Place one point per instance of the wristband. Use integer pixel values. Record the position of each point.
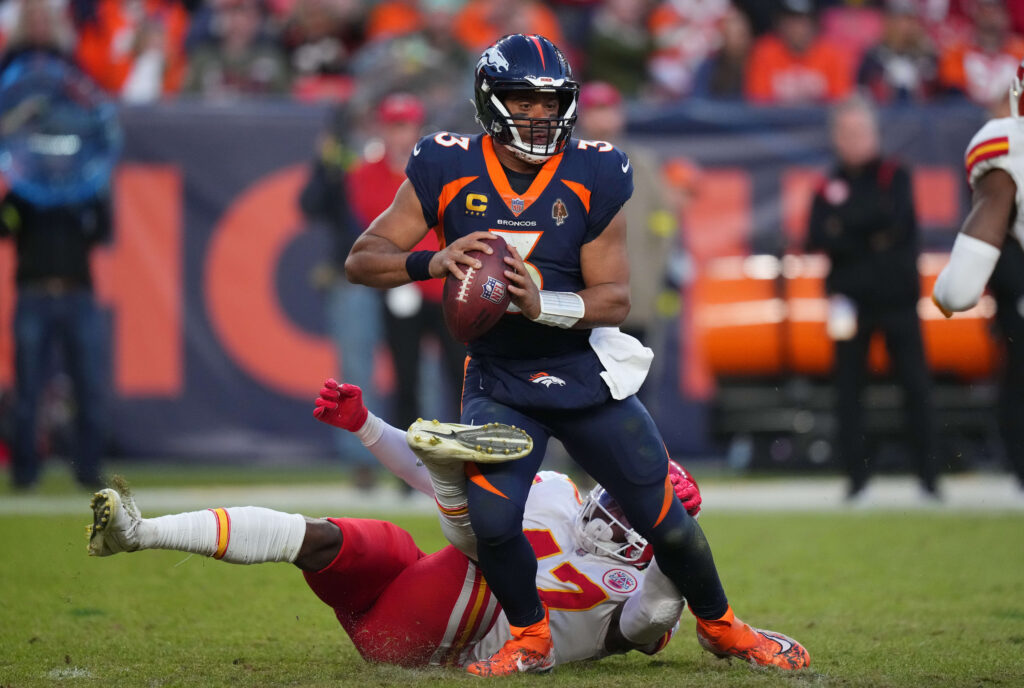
(417, 264)
(560, 308)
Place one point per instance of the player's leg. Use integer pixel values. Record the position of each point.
(620, 447)
(906, 350)
(497, 497)
(241, 535)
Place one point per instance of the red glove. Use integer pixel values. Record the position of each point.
(685, 487)
(341, 406)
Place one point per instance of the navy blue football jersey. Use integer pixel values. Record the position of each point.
(463, 188)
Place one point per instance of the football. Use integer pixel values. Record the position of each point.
(473, 305)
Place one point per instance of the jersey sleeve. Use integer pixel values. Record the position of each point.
(994, 147)
(424, 170)
(612, 188)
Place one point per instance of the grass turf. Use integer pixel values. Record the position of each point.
(923, 599)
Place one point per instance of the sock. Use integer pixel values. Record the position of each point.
(240, 535)
(388, 445)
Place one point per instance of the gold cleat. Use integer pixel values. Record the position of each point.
(448, 442)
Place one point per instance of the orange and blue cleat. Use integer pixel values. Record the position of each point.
(730, 637)
(529, 650)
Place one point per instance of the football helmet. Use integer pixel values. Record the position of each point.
(519, 62)
(1017, 91)
(601, 528)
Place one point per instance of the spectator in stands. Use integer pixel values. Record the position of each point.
(792, 65)
(684, 34)
(863, 218)
(320, 37)
(241, 59)
(722, 74)
(393, 18)
(903, 66)
(983, 67)
(619, 45)
(135, 48)
(352, 313)
(428, 63)
(482, 22)
(602, 117)
(412, 313)
(54, 232)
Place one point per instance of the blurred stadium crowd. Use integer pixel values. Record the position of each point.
(763, 51)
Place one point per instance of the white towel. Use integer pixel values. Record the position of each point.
(625, 360)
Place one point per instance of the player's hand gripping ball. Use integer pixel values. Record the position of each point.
(473, 305)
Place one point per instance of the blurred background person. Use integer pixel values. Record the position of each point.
(863, 219)
(320, 38)
(427, 62)
(58, 145)
(352, 313)
(684, 33)
(241, 59)
(723, 73)
(903, 65)
(793, 64)
(602, 117)
(619, 45)
(481, 22)
(134, 48)
(412, 314)
(982, 66)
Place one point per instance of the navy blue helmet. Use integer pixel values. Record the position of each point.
(519, 62)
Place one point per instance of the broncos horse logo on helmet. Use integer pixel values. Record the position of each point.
(520, 62)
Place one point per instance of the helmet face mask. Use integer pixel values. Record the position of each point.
(602, 529)
(1016, 91)
(525, 63)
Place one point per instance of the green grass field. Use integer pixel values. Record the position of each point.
(879, 599)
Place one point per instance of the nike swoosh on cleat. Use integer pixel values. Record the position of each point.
(785, 644)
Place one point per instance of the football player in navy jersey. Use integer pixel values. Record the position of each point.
(552, 364)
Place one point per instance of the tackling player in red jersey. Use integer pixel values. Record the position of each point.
(604, 594)
(555, 364)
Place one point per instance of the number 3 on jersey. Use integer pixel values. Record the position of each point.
(524, 243)
(587, 594)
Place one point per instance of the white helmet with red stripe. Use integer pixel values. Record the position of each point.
(1016, 91)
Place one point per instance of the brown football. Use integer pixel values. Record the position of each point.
(473, 305)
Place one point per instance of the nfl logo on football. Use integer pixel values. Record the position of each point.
(493, 290)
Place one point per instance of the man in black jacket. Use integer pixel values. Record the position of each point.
(863, 218)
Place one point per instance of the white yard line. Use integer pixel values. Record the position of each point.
(976, 493)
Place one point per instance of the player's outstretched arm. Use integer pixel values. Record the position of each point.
(380, 257)
(342, 406)
(977, 246)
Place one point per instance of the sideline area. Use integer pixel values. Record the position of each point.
(988, 492)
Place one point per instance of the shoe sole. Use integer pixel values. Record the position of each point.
(104, 503)
(489, 443)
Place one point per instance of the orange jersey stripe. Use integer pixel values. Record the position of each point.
(500, 181)
(983, 156)
(223, 532)
(477, 478)
(581, 191)
(448, 193)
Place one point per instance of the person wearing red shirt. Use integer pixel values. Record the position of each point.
(983, 67)
(413, 311)
(793, 65)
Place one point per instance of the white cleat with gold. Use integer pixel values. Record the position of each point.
(438, 442)
(115, 523)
